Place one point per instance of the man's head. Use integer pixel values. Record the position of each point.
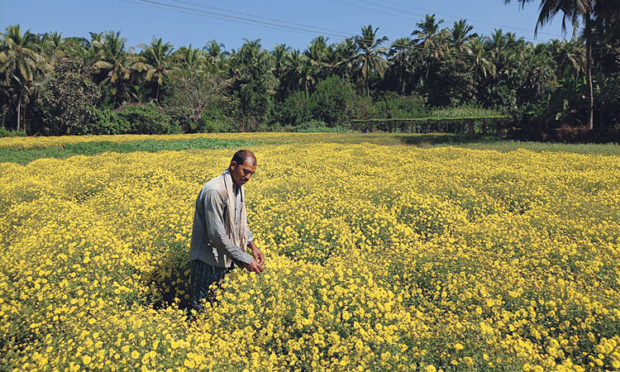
(242, 166)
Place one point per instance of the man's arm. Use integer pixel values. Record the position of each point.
(214, 218)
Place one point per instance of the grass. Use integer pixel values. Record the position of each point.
(231, 140)
(578, 148)
(24, 156)
(492, 143)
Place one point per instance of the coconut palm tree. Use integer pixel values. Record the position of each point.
(252, 70)
(295, 65)
(154, 60)
(461, 35)
(400, 58)
(430, 41)
(280, 53)
(344, 54)
(567, 55)
(112, 64)
(52, 45)
(22, 68)
(481, 65)
(318, 54)
(216, 56)
(575, 12)
(188, 58)
(370, 54)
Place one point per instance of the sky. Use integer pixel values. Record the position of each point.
(291, 22)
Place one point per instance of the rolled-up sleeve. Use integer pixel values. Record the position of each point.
(214, 207)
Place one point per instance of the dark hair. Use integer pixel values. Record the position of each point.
(242, 155)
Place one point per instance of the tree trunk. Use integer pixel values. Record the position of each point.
(24, 120)
(589, 70)
(367, 86)
(19, 109)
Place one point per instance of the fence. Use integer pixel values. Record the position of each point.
(495, 125)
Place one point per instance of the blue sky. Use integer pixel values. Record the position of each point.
(294, 23)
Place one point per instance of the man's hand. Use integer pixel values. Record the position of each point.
(254, 267)
(257, 254)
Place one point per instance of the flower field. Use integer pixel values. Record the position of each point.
(377, 258)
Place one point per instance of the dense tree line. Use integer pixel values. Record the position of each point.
(50, 84)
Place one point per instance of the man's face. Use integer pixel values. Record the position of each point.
(241, 173)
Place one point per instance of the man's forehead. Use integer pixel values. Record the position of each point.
(249, 165)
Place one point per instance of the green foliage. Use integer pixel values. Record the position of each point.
(68, 104)
(295, 109)
(331, 101)
(147, 119)
(10, 133)
(464, 111)
(108, 122)
(52, 85)
(252, 69)
(195, 98)
(24, 156)
(363, 108)
(317, 126)
(608, 101)
(391, 105)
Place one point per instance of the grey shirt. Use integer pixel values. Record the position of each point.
(210, 243)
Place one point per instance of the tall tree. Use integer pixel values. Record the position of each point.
(370, 54)
(400, 58)
(318, 54)
(22, 68)
(216, 55)
(252, 70)
(154, 60)
(430, 41)
(567, 56)
(481, 64)
(344, 54)
(573, 11)
(113, 65)
(460, 36)
(188, 58)
(280, 54)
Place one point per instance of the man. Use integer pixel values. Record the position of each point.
(220, 232)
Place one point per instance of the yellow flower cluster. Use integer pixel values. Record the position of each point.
(377, 258)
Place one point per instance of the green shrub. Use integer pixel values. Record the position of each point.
(363, 108)
(147, 119)
(331, 100)
(108, 122)
(11, 133)
(67, 104)
(294, 110)
(392, 105)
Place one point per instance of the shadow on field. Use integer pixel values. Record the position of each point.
(442, 139)
(168, 282)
